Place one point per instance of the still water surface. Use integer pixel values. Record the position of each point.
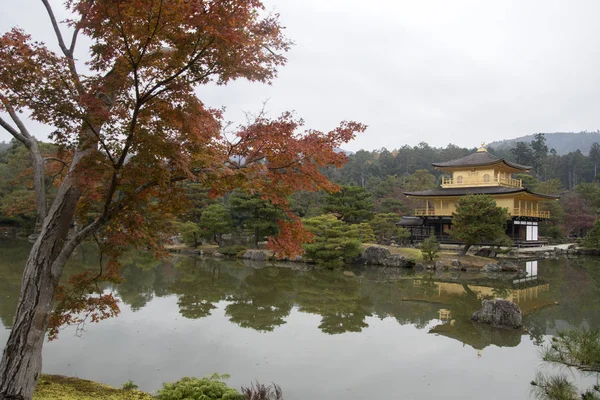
(320, 335)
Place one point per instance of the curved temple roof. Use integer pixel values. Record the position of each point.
(480, 158)
(475, 190)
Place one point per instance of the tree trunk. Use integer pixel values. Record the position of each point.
(256, 232)
(465, 249)
(21, 362)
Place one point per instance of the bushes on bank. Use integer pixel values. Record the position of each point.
(592, 239)
(335, 242)
(214, 388)
(430, 248)
(233, 250)
(207, 388)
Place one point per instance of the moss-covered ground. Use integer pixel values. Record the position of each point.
(55, 387)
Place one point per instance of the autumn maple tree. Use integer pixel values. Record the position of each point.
(128, 130)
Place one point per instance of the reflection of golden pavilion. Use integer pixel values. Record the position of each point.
(527, 298)
(444, 314)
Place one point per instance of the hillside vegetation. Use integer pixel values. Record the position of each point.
(562, 142)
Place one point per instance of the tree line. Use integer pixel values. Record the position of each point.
(373, 183)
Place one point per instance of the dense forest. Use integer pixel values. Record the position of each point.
(372, 183)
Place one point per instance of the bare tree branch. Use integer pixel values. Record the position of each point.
(61, 42)
(72, 243)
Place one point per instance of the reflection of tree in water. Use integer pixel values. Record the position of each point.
(143, 277)
(263, 300)
(501, 292)
(389, 299)
(14, 255)
(575, 284)
(200, 285)
(336, 298)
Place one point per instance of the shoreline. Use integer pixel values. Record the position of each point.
(407, 257)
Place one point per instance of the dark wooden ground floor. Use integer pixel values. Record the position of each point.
(523, 231)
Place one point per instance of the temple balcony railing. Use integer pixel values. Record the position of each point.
(521, 212)
(480, 181)
(432, 212)
(517, 212)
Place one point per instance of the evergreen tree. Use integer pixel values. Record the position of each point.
(523, 153)
(430, 248)
(214, 222)
(335, 242)
(386, 230)
(540, 153)
(254, 214)
(353, 204)
(592, 239)
(478, 219)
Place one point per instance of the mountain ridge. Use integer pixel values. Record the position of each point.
(562, 142)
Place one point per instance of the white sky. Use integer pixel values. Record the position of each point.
(441, 71)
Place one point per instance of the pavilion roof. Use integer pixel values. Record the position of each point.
(475, 190)
(479, 158)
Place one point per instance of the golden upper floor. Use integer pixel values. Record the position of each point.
(480, 169)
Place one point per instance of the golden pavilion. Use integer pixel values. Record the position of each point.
(478, 173)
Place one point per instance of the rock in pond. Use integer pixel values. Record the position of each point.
(374, 255)
(491, 267)
(397, 260)
(499, 313)
(349, 274)
(508, 266)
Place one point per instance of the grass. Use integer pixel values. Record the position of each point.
(55, 387)
(445, 256)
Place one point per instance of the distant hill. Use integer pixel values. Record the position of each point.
(562, 142)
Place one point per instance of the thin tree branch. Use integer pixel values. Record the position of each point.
(12, 131)
(71, 244)
(61, 42)
(57, 160)
(22, 134)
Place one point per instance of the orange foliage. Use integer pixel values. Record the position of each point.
(134, 128)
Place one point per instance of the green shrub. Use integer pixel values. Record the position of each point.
(259, 391)
(592, 239)
(207, 388)
(129, 385)
(190, 233)
(335, 242)
(430, 248)
(365, 232)
(233, 250)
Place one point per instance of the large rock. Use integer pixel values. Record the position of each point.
(486, 252)
(397, 260)
(491, 268)
(508, 266)
(374, 255)
(254, 255)
(499, 313)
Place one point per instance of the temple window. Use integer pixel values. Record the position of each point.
(459, 179)
(486, 178)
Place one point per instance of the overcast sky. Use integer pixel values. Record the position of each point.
(442, 71)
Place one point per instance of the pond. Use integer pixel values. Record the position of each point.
(385, 333)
